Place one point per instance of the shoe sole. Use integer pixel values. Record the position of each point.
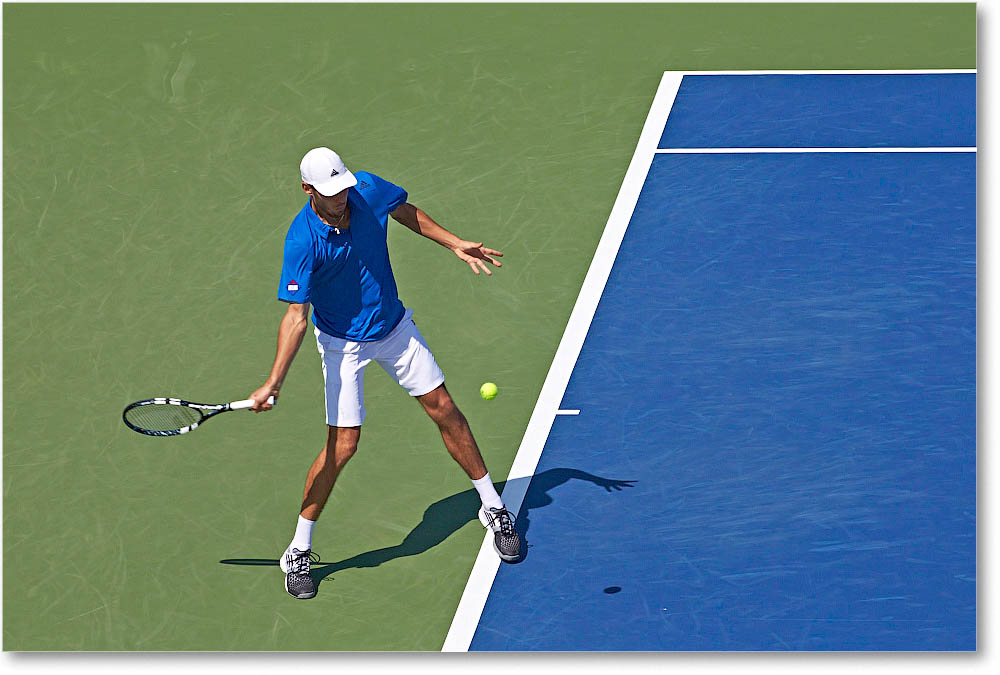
(505, 558)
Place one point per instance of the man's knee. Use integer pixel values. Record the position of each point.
(342, 442)
(441, 407)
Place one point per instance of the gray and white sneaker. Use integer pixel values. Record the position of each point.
(506, 540)
(295, 564)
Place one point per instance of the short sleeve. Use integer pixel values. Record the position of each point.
(390, 196)
(296, 272)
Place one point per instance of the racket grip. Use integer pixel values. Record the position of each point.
(248, 403)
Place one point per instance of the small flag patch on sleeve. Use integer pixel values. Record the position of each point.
(293, 286)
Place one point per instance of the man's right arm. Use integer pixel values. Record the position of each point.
(290, 332)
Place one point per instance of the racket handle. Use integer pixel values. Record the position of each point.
(248, 403)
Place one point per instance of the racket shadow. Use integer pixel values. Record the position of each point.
(445, 517)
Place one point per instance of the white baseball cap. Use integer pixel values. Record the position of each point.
(324, 170)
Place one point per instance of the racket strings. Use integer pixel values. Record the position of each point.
(162, 417)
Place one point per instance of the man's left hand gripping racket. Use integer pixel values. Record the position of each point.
(173, 416)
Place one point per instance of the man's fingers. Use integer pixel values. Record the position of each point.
(474, 257)
(261, 406)
(481, 254)
(486, 252)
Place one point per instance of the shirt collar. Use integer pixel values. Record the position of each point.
(316, 223)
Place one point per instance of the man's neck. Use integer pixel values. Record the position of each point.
(338, 223)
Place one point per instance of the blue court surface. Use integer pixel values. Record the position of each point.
(776, 440)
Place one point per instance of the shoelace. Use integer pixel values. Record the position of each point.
(299, 563)
(506, 526)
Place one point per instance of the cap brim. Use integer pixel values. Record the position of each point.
(336, 184)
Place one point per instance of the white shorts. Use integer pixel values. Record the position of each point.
(403, 354)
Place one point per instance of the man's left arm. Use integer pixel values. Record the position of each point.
(470, 252)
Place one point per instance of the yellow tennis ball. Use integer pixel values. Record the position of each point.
(488, 391)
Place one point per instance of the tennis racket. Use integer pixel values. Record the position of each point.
(173, 416)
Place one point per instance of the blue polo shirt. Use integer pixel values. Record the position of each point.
(346, 276)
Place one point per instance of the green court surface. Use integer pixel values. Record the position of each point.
(150, 173)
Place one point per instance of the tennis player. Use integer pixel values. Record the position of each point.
(336, 259)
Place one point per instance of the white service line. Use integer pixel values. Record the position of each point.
(567, 412)
(737, 151)
(470, 608)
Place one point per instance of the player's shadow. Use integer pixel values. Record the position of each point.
(443, 518)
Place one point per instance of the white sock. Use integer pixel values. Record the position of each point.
(488, 493)
(303, 535)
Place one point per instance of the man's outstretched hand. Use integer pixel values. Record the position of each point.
(475, 254)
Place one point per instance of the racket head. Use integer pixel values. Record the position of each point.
(164, 416)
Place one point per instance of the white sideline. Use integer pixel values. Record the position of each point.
(470, 608)
(477, 589)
